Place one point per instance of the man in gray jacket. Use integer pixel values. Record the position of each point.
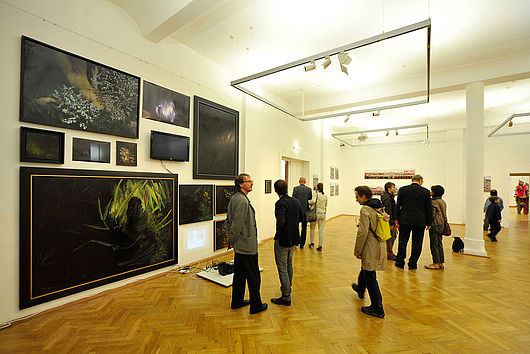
(243, 236)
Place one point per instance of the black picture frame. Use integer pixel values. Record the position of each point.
(126, 153)
(195, 203)
(268, 186)
(81, 229)
(90, 150)
(164, 105)
(62, 89)
(215, 140)
(221, 236)
(42, 146)
(223, 194)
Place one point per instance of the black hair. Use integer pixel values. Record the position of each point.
(388, 185)
(364, 190)
(320, 187)
(437, 191)
(239, 180)
(493, 192)
(280, 187)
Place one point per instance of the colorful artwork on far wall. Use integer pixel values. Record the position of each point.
(195, 203)
(166, 106)
(389, 174)
(221, 236)
(65, 90)
(84, 228)
(223, 194)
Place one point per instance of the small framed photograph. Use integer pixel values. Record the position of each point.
(44, 146)
(91, 150)
(126, 154)
(268, 186)
(221, 236)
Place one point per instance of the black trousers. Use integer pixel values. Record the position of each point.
(246, 270)
(303, 232)
(417, 244)
(495, 228)
(367, 280)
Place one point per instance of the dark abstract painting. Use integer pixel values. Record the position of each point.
(80, 229)
(215, 140)
(221, 237)
(223, 194)
(165, 105)
(126, 154)
(195, 203)
(90, 150)
(44, 146)
(65, 90)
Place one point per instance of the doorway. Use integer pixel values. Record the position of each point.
(292, 170)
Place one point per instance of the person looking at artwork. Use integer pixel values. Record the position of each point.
(494, 218)
(439, 218)
(370, 250)
(243, 237)
(493, 193)
(414, 214)
(303, 194)
(388, 199)
(320, 201)
(288, 215)
(521, 197)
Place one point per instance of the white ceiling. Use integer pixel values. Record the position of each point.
(487, 40)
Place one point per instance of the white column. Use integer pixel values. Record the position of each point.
(474, 241)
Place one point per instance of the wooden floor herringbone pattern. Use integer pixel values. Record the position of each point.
(475, 305)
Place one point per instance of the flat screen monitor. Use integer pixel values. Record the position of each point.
(171, 147)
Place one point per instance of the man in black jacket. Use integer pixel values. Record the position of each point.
(303, 194)
(414, 214)
(288, 216)
(390, 208)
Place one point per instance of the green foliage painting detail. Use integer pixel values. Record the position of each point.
(195, 203)
(142, 210)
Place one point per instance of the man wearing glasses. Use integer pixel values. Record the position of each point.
(243, 236)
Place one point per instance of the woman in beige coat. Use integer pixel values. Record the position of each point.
(370, 250)
(320, 201)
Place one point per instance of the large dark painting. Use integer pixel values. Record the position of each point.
(65, 90)
(80, 229)
(195, 203)
(44, 146)
(221, 236)
(165, 105)
(215, 140)
(223, 194)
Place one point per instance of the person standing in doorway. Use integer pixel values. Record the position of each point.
(320, 201)
(288, 215)
(388, 199)
(303, 194)
(414, 214)
(243, 236)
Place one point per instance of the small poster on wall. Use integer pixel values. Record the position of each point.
(332, 190)
(389, 174)
(315, 181)
(336, 172)
(377, 190)
(331, 172)
(336, 189)
(487, 184)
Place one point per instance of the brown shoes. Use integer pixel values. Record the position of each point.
(435, 266)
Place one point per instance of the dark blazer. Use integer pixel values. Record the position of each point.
(288, 217)
(303, 194)
(493, 213)
(389, 202)
(414, 206)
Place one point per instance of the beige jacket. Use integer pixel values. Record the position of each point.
(321, 204)
(367, 245)
(439, 209)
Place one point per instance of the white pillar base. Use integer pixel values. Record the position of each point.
(475, 247)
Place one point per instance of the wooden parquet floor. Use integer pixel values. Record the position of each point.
(476, 305)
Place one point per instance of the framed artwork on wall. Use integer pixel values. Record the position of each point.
(268, 186)
(44, 146)
(65, 90)
(215, 140)
(91, 150)
(331, 190)
(166, 106)
(336, 172)
(331, 172)
(195, 203)
(223, 194)
(126, 154)
(336, 189)
(80, 229)
(221, 236)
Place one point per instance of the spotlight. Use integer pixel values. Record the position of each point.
(326, 62)
(396, 132)
(310, 66)
(347, 118)
(387, 132)
(375, 114)
(510, 124)
(344, 69)
(344, 58)
(426, 142)
(362, 137)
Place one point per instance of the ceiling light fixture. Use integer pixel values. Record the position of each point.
(361, 135)
(510, 124)
(344, 59)
(387, 133)
(326, 62)
(396, 132)
(347, 118)
(310, 66)
(376, 113)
